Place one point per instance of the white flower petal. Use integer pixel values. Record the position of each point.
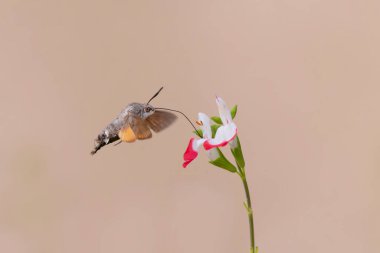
(206, 128)
(224, 112)
(197, 144)
(224, 135)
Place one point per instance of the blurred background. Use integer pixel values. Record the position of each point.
(305, 75)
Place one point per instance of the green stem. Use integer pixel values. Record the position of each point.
(250, 212)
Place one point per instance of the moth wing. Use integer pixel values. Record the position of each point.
(134, 128)
(126, 134)
(140, 128)
(160, 120)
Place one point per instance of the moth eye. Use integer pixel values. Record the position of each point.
(147, 109)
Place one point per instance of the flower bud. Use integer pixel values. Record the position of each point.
(237, 152)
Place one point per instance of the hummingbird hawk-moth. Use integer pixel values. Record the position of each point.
(135, 122)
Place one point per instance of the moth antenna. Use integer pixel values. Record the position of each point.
(167, 109)
(155, 95)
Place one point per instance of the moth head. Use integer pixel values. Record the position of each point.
(147, 111)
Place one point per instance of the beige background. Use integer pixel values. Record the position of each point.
(304, 73)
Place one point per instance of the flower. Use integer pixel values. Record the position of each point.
(227, 132)
(221, 132)
(192, 149)
(224, 134)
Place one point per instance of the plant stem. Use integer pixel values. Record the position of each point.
(250, 212)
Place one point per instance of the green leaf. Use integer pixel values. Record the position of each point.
(214, 128)
(199, 132)
(233, 111)
(238, 154)
(222, 162)
(217, 120)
